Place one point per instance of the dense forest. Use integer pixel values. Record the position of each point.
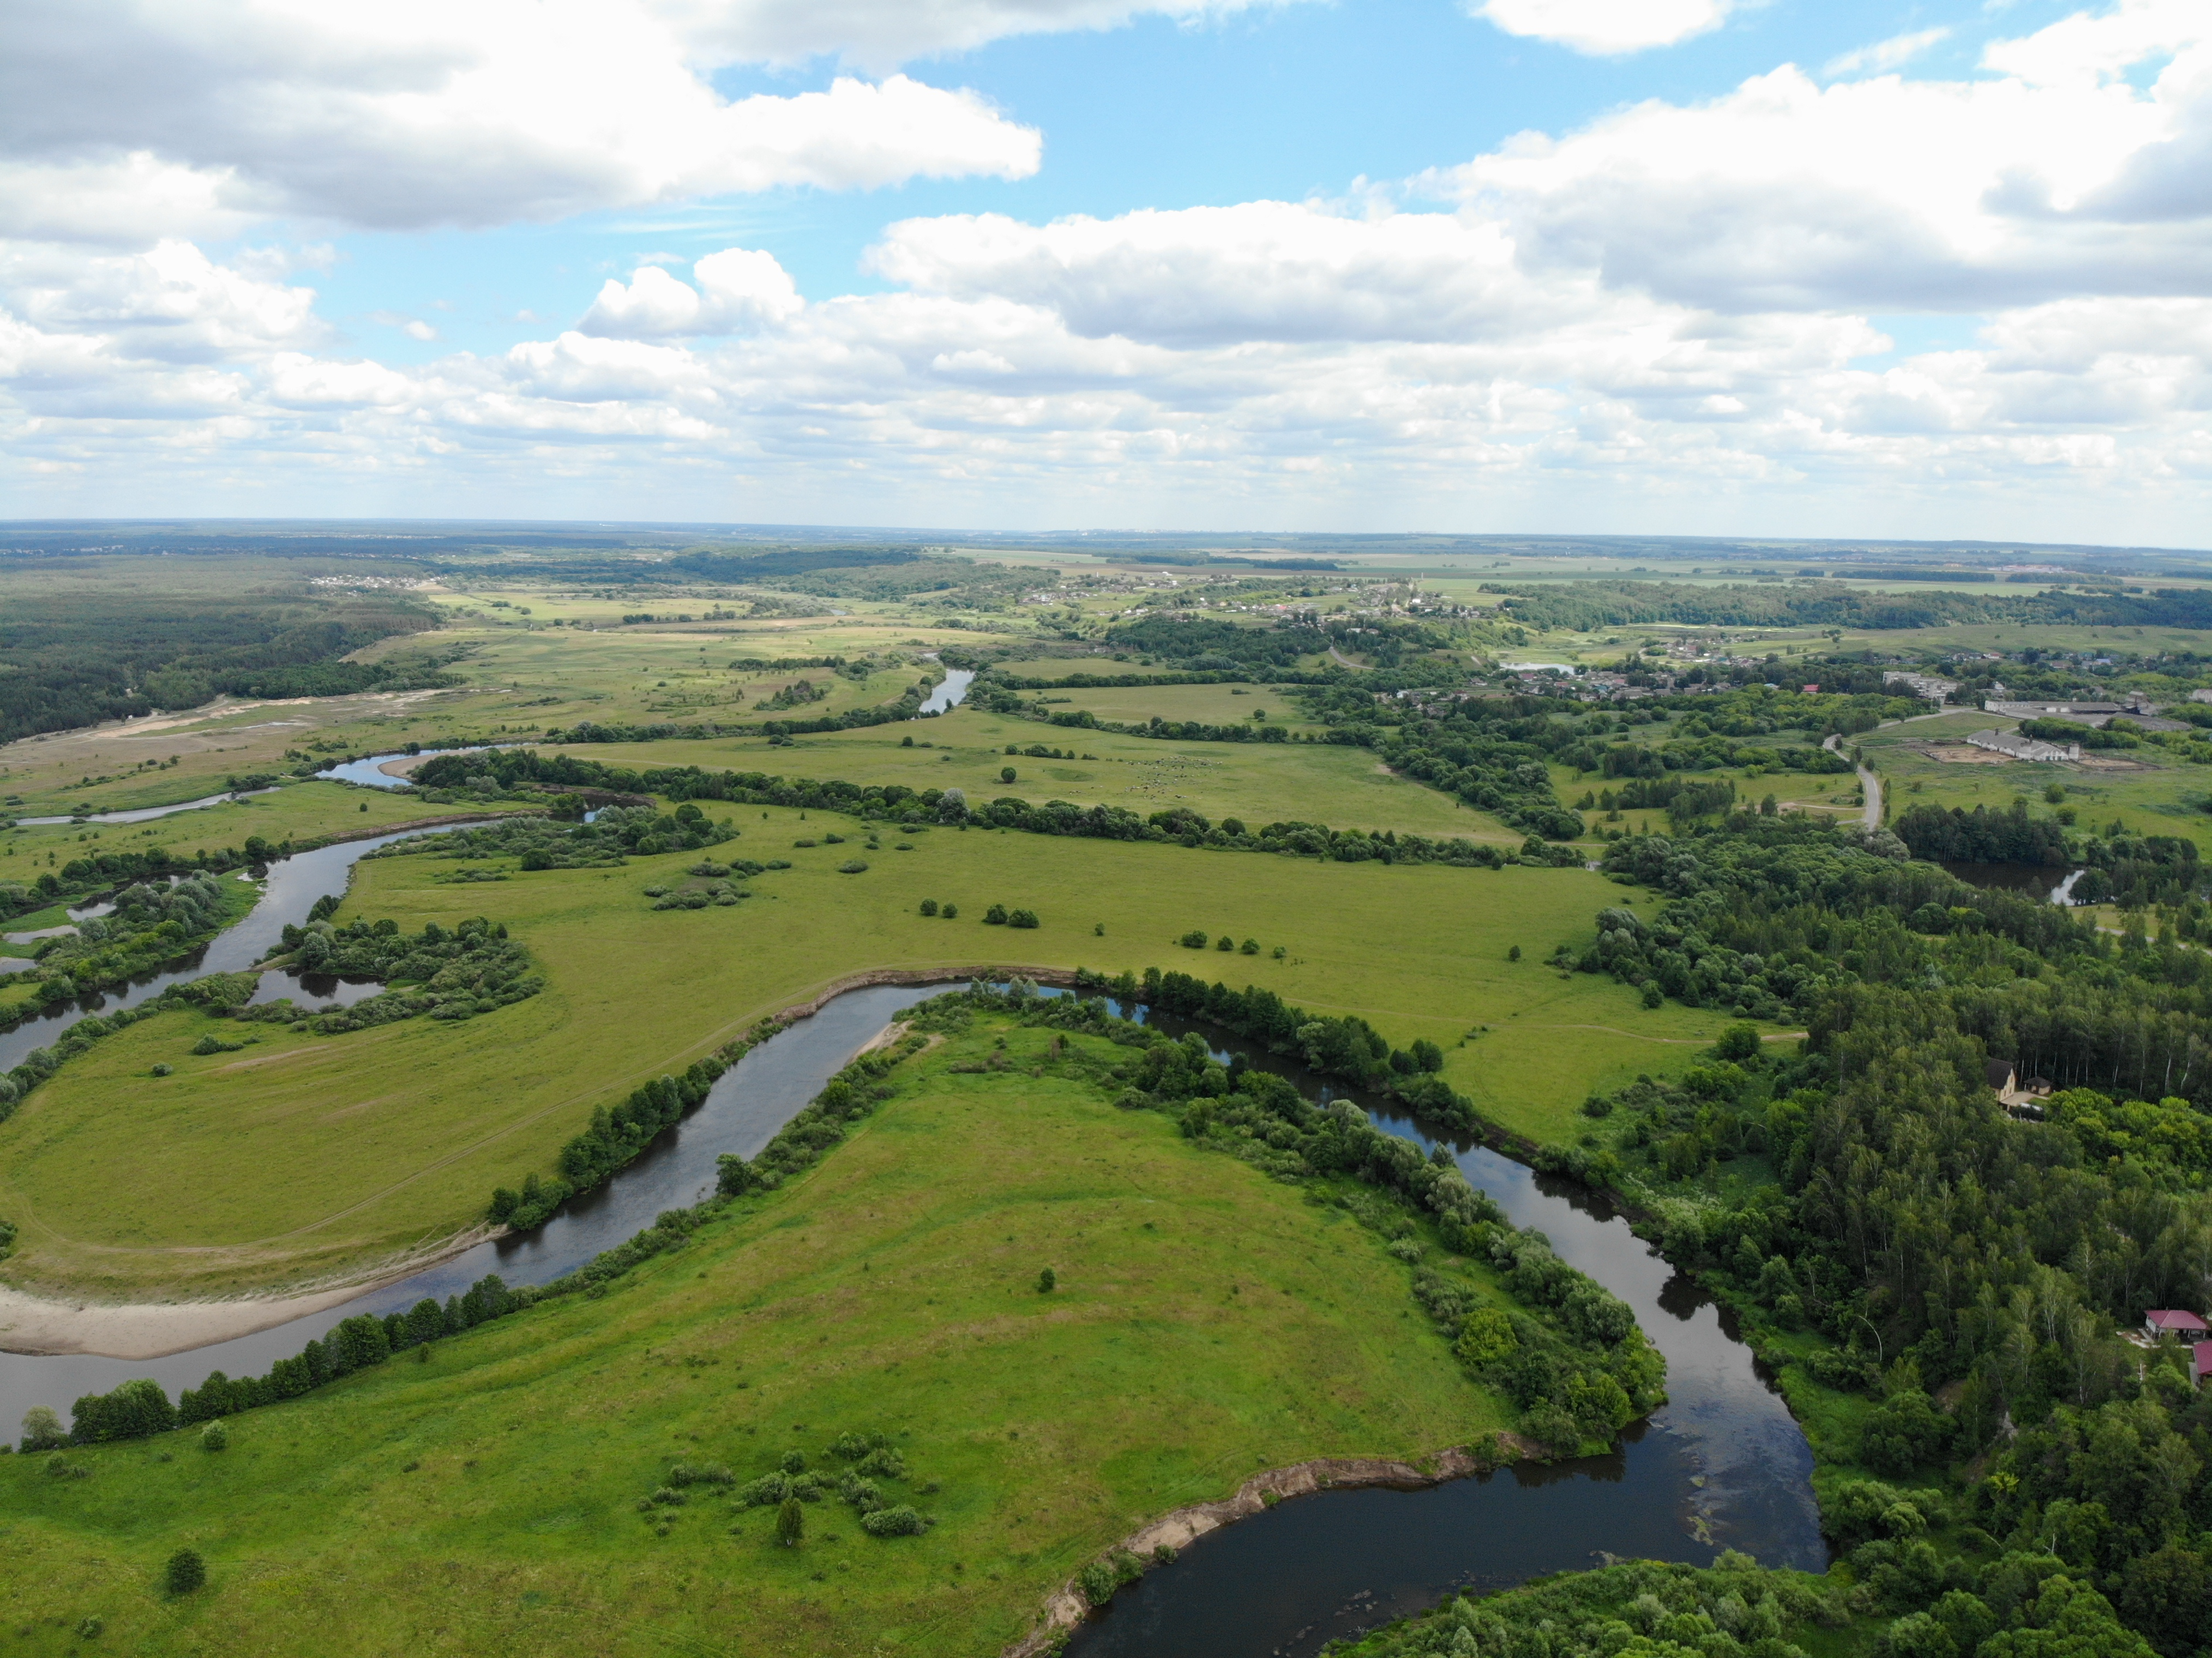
(1971, 1269)
(76, 659)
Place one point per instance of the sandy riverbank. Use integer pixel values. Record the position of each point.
(33, 1324)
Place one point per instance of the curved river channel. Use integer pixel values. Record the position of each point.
(1721, 1465)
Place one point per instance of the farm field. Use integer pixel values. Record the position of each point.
(300, 809)
(1208, 1322)
(1261, 783)
(517, 675)
(1218, 705)
(2141, 788)
(308, 1154)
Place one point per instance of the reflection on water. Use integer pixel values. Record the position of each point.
(1720, 1465)
(292, 885)
(949, 692)
(316, 990)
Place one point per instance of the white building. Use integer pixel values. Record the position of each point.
(2013, 746)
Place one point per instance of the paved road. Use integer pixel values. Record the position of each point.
(1872, 817)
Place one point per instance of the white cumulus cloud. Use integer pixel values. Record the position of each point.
(1661, 319)
(884, 32)
(1889, 193)
(1607, 28)
(739, 289)
(418, 112)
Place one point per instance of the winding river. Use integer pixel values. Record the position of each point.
(1721, 1465)
(292, 885)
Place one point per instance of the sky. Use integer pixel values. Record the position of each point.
(1895, 268)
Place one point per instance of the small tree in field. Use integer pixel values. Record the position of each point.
(43, 1430)
(1739, 1042)
(1005, 773)
(790, 1522)
(185, 1572)
(1046, 1281)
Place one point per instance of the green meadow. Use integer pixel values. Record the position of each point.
(2145, 788)
(493, 1496)
(1343, 787)
(298, 811)
(306, 1155)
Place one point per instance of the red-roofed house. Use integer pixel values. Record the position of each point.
(2173, 1320)
(2204, 1367)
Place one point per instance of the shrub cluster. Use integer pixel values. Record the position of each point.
(1344, 1048)
(849, 1096)
(894, 803)
(614, 1140)
(538, 843)
(151, 924)
(140, 1408)
(871, 1457)
(1642, 1609)
(445, 973)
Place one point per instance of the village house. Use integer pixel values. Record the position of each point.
(2176, 1322)
(2021, 1098)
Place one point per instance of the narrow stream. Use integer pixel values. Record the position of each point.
(292, 885)
(950, 692)
(147, 814)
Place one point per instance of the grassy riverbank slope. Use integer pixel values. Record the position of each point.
(1207, 1322)
(308, 1154)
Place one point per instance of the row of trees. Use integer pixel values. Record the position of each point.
(140, 1408)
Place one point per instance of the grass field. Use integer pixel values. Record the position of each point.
(1261, 783)
(308, 1154)
(300, 811)
(2142, 787)
(521, 675)
(1208, 1323)
(1218, 705)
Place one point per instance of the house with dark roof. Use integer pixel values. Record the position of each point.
(2017, 1096)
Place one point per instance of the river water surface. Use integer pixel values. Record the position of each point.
(1721, 1465)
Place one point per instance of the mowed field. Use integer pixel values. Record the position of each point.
(1208, 1322)
(1218, 704)
(299, 811)
(306, 1155)
(1259, 782)
(521, 675)
(2144, 788)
